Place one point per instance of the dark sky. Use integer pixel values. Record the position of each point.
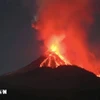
(18, 44)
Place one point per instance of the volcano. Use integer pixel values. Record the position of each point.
(62, 81)
(53, 60)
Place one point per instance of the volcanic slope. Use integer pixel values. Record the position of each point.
(62, 81)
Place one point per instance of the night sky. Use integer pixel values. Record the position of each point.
(18, 43)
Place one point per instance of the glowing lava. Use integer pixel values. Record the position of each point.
(66, 23)
(54, 58)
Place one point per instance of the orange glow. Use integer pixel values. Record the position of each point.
(56, 50)
(54, 58)
(63, 26)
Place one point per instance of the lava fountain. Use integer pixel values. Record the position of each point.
(63, 26)
(54, 58)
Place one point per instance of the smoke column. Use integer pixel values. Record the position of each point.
(67, 22)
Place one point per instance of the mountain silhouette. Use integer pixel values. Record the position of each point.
(65, 81)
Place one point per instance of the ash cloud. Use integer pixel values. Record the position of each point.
(72, 20)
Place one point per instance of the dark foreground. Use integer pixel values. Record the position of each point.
(52, 94)
(63, 83)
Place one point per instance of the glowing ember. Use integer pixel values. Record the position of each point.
(98, 75)
(54, 58)
(53, 48)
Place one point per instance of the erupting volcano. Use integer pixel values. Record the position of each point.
(54, 58)
(63, 27)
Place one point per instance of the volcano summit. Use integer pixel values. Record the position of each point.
(68, 81)
(53, 60)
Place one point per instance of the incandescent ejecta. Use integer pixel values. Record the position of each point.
(54, 58)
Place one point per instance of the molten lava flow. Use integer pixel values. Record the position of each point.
(54, 58)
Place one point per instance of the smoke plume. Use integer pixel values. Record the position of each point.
(67, 23)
